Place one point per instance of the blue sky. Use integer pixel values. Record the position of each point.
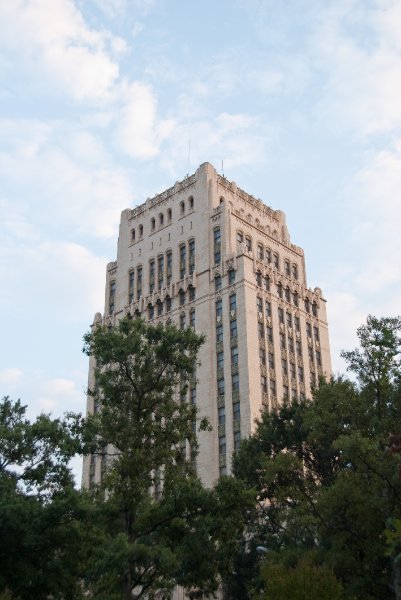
(301, 99)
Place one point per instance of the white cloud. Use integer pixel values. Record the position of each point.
(10, 376)
(139, 132)
(53, 38)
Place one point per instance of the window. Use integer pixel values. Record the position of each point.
(182, 321)
(307, 305)
(169, 257)
(284, 366)
(222, 444)
(295, 271)
(314, 309)
(132, 235)
(192, 395)
(297, 324)
(269, 334)
(268, 255)
(280, 315)
(140, 231)
(248, 243)
(161, 220)
(168, 304)
(191, 202)
(316, 333)
(219, 309)
(282, 341)
(169, 215)
(151, 311)
(191, 293)
(259, 304)
(236, 411)
(182, 208)
(293, 393)
(160, 272)
(220, 387)
(318, 358)
(240, 237)
(259, 279)
(152, 224)
(310, 353)
(112, 296)
(273, 387)
(292, 371)
(233, 303)
(151, 276)
(219, 333)
(287, 294)
(191, 248)
(295, 299)
(280, 290)
(262, 356)
(309, 330)
(181, 296)
(263, 384)
(285, 392)
(159, 305)
(182, 261)
(276, 261)
(231, 276)
(233, 328)
(287, 269)
(261, 330)
(234, 355)
(131, 285)
(220, 360)
(192, 318)
(268, 309)
(138, 283)
(235, 382)
(266, 283)
(217, 283)
(271, 361)
(300, 374)
(260, 252)
(290, 345)
(237, 440)
(289, 319)
(217, 245)
(299, 348)
(221, 415)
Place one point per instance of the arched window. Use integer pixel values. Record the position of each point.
(307, 305)
(266, 283)
(191, 293)
(181, 296)
(191, 202)
(159, 308)
(182, 207)
(151, 311)
(221, 199)
(168, 304)
(258, 278)
(152, 224)
(161, 219)
(295, 299)
(132, 235)
(287, 294)
(314, 309)
(169, 215)
(140, 230)
(280, 290)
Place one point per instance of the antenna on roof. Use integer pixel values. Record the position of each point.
(189, 152)
(222, 167)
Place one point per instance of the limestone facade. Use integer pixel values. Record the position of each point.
(206, 254)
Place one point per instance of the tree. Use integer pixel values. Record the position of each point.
(325, 476)
(161, 527)
(44, 539)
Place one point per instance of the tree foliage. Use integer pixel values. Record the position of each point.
(326, 479)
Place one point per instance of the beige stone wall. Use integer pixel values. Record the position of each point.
(218, 203)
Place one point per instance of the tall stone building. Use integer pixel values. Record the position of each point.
(206, 254)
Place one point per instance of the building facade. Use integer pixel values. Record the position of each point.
(206, 254)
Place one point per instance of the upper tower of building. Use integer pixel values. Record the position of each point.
(206, 254)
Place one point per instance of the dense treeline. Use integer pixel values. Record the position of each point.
(312, 510)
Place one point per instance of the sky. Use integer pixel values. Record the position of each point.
(98, 100)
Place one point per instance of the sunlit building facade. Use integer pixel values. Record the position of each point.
(206, 254)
